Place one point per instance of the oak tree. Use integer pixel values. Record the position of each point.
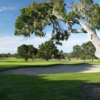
(48, 50)
(26, 51)
(38, 15)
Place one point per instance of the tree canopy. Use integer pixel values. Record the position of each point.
(85, 51)
(26, 51)
(76, 50)
(38, 15)
(88, 49)
(48, 50)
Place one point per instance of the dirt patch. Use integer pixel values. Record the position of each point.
(91, 91)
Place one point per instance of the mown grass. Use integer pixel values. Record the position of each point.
(12, 63)
(45, 87)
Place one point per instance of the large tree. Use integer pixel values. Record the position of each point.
(48, 50)
(38, 15)
(26, 51)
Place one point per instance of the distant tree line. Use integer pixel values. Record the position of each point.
(7, 55)
(47, 51)
(85, 51)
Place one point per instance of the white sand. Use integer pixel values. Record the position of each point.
(86, 68)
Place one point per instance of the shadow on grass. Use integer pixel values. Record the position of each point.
(91, 91)
(19, 87)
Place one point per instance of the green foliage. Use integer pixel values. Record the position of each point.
(48, 50)
(76, 51)
(83, 57)
(88, 49)
(34, 18)
(38, 15)
(59, 6)
(7, 55)
(71, 16)
(27, 51)
(60, 36)
(85, 51)
(94, 15)
(89, 12)
(60, 55)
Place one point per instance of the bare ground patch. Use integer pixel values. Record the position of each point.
(91, 91)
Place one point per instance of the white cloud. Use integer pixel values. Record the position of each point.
(6, 8)
(10, 44)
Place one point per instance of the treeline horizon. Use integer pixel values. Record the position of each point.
(84, 51)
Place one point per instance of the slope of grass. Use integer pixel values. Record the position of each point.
(45, 87)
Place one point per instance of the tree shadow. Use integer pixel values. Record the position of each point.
(19, 87)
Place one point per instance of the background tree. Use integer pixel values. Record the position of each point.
(85, 51)
(60, 55)
(8, 55)
(83, 57)
(88, 49)
(48, 50)
(32, 51)
(76, 51)
(26, 51)
(38, 15)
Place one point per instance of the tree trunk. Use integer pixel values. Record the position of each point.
(47, 59)
(25, 59)
(93, 38)
(91, 58)
(92, 34)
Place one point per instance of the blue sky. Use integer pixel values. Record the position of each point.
(9, 11)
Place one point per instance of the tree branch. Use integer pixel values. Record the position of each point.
(77, 31)
(58, 16)
(71, 30)
(69, 24)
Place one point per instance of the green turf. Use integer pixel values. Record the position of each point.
(45, 87)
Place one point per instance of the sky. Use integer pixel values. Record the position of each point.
(9, 11)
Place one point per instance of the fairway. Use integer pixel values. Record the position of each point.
(50, 50)
(45, 87)
(65, 86)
